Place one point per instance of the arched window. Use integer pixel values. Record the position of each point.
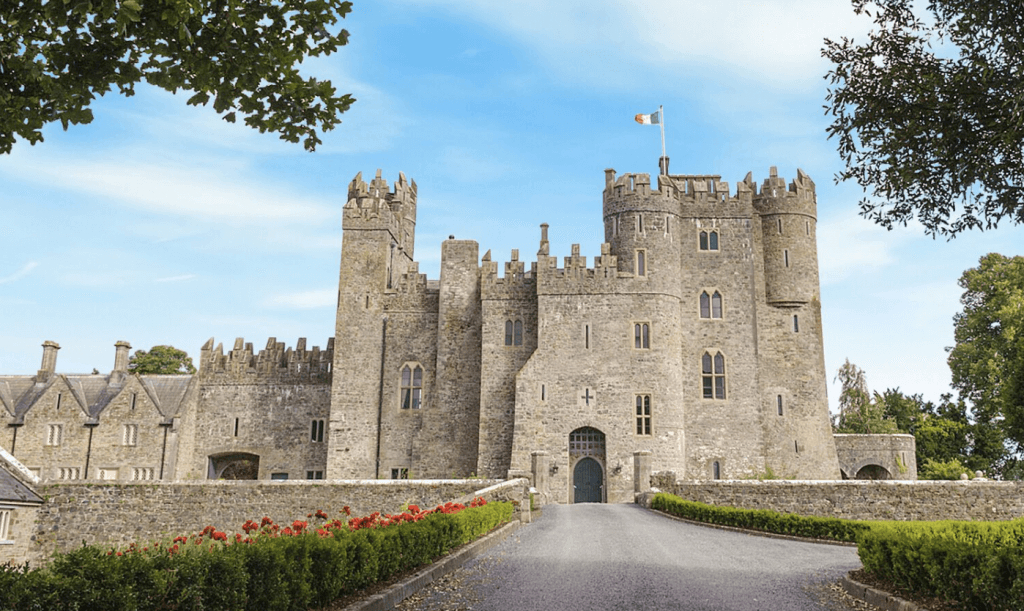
(713, 375)
(412, 387)
(710, 305)
(709, 240)
(641, 336)
(517, 339)
(716, 470)
(508, 332)
(641, 263)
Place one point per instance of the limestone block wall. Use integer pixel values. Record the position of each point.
(117, 514)
(877, 456)
(861, 500)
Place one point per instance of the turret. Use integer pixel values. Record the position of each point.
(788, 218)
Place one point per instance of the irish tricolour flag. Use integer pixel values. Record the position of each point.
(652, 119)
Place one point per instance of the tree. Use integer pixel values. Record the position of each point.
(164, 360)
(929, 113)
(55, 57)
(987, 361)
(859, 412)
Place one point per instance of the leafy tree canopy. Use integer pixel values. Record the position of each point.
(243, 56)
(988, 359)
(929, 113)
(859, 412)
(165, 360)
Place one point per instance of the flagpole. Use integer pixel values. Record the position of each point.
(663, 162)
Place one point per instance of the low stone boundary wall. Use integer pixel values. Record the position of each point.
(117, 514)
(863, 500)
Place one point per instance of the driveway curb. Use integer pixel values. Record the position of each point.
(389, 599)
(878, 598)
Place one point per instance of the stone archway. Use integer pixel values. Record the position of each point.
(237, 466)
(586, 461)
(875, 472)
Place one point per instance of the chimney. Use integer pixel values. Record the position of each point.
(120, 372)
(663, 165)
(121, 356)
(544, 245)
(49, 365)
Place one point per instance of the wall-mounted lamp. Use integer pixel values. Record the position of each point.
(554, 469)
(617, 469)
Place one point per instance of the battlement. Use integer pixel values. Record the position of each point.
(517, 282)
(692, 189)
(376, 206)
(576, 277)
(274, 363)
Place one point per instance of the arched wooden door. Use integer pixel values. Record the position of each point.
(586, 456)
(587, 480)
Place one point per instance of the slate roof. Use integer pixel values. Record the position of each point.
(93, 393)
(13, 490)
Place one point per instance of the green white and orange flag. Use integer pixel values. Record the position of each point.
(652, 119)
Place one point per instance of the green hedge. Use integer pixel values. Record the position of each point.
(980, 565)
(834, 529)
(289, 573)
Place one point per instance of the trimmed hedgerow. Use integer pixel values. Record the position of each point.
(271, 569)
(833, 529)
(980, 565)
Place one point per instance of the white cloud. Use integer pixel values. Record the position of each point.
(304, 300)
(209, 191)
(776, 42)
(21, 273)
(849, 245)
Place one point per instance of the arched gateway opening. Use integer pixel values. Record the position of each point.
(234, 466)
(586, 458)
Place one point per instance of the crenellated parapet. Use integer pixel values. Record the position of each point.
(412, 292)
(516, 284)
(275, 363)
(575, 277)
(374, 205)
(776, 197)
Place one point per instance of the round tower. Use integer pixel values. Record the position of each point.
(643, 227)
(788, 219)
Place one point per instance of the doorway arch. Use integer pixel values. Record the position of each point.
(586, 459)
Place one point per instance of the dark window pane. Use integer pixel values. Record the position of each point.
(713, 239)
(719, 387)
(647, 336)
(406, 376)
(508, 332)
(705, 305)
(518, 341)
(417, 377)
(406, 398)
(705, 363)
(636, 336)
(708, 392)
(703, 240)
(719, 363)
(716, 305)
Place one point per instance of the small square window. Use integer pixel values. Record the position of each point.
(316, 434)
(400, 473)
(642, 336)
(143, 474)
(314, 474)
(280, 477)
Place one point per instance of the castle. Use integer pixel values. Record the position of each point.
(694, 339)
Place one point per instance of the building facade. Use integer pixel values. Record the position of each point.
(695, 336)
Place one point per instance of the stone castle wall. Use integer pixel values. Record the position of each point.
(861, 500)
(118, 514)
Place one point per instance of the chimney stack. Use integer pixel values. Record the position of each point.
(120, 372)
(49, 365)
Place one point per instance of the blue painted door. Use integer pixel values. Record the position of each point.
(587, 479)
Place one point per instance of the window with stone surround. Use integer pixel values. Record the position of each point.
(778, 401)
(5, 524)
(641, 263)
(69, 473)
(513, 333)
(130, 435)
(642, 336)
(314, 474)
(716, 470)
(796, 324)
(708, 240)
(316, 432)
(710, 305)
(412, 387)
(713, 375)
(54, 434)
(643, 414)
(106, 474)
(142, 474)
(400, 473)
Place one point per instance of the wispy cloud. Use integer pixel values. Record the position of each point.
(21, 273)
(304, 300)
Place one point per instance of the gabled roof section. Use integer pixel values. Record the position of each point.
(24, 392)
(167, 392)
(14, 489)
(78, 391)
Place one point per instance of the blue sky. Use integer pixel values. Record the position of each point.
(162, 224)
